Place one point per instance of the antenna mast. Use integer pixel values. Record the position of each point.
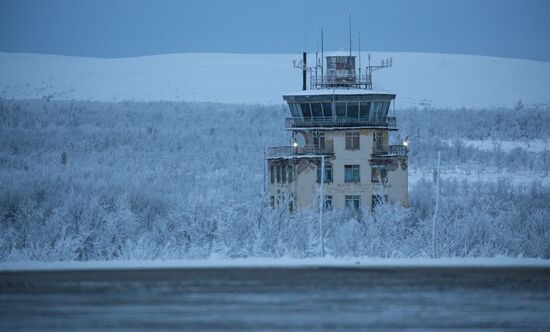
(322, 54)
(350, 33)
(316, 63)
(359, 55)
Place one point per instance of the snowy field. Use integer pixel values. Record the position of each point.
(419, 79)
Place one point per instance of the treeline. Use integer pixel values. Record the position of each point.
(93, 180)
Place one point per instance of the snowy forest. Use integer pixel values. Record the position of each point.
(84, 180)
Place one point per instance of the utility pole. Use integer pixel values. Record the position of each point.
(322, 207)
(434, 247)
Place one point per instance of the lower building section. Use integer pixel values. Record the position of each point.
(347, 183)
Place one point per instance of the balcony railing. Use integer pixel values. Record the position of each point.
(390, 151)
(321, 122)
(291, 151)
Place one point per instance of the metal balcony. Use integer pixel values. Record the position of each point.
(292, 152)
(390, 151)
(321, 122)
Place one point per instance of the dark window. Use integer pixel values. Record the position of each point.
(378, 199)
(379, 174)
(341, 109)
(272, 174)
(316, 110)
(364, 111)
(378, 141)
(283, 173)
(272, 201)
(289, 173)
(328, 203)
(353, 201)
(328, 173)
(352, 140)
(278, 174)
(353, 109)
(352, 173)
(306, 111)
(319, 140)
(327, 110)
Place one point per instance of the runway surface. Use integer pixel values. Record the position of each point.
(278, 299)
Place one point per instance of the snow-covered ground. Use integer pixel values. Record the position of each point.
(260, 262)
(419, 79)
(477, 173)
(535, 145)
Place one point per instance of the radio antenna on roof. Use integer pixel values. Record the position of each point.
(350, 33)
(359, 42)
(322, 54)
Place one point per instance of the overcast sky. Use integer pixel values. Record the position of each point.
(117, 28)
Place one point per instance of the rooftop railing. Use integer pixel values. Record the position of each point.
(348, 79)
(321, 122)
(291, 151)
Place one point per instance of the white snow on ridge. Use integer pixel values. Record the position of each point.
(285, 262)
(418, 79)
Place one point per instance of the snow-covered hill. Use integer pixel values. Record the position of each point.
(419, 79)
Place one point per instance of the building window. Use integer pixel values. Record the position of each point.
(316, 110)
(352, 173)
(283, 173)
(353, 110)
(306, 111)
(364, 110)
(278, 174)
(377, 139)
(272, 174)
(328, 203)
(378, 199)
(319, 141)
(289, 178)
(272, 202)
(379, 174)
(352, 140)
(352, 202)
(327, 110)
(341, 109)
(328, 173)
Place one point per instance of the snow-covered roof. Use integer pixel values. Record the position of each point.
(337, 91)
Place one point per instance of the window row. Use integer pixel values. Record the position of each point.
(353, 202)
(280, 173)
(352, 174)
(352, 139)
(276, 201)
(367, 110)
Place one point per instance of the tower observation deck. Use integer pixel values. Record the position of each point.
(340, 96)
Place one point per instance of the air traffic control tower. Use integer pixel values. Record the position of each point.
(339, 156)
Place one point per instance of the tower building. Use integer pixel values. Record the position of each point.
(339, 154)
